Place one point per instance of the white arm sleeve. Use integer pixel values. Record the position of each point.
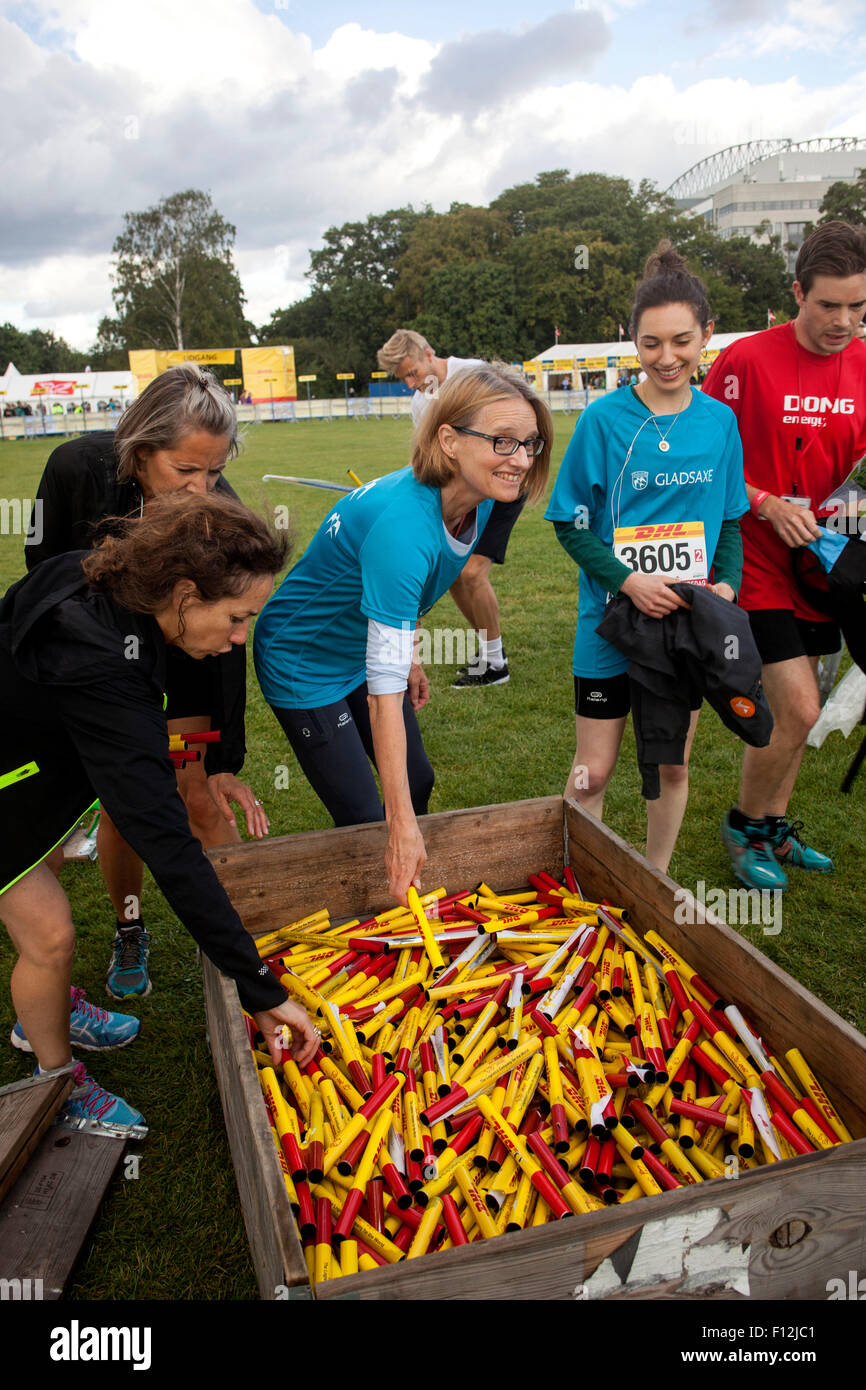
(389, 656)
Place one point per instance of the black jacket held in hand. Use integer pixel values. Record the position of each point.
(707, 648)
(77, 491)
(81, 716)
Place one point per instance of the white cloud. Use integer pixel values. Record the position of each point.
(352, 50)
(216, 50)
(816, 26)
(289, 139)
(64, 294)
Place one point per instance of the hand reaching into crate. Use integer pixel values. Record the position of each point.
(305, 1035)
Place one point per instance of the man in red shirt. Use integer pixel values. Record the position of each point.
(799, 394)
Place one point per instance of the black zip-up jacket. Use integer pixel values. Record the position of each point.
(81, 716)
(707, 648)
(78, 490)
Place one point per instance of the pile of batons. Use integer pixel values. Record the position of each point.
(495, 1061)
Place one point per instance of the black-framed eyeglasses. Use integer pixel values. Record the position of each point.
(505, 444)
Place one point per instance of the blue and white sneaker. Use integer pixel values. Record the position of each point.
(788, 848)
(752, 858)
(90, 1028)
(127, 973)
(90, 1106)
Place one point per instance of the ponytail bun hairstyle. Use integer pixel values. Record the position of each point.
(668, 280)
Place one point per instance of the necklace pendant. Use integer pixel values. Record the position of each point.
(664, 445)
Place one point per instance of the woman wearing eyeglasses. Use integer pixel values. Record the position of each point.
(334, 646)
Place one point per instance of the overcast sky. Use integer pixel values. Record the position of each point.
(296, 116)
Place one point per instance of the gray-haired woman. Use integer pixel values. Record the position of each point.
(176, 437)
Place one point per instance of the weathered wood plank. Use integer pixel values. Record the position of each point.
(823, 1192)
(271, 1229)
(344, 870)
(26, 1110)
(45, 1218)
(784, 1012)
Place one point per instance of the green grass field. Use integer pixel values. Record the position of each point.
(176, 1231)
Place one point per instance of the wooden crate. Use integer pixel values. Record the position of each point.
(780, 1231)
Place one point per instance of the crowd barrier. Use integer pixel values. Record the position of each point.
(278, 412)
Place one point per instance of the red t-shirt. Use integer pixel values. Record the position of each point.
(802, 420)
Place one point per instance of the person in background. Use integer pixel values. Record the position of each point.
(410, 358)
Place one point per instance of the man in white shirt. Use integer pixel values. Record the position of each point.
(409, 357)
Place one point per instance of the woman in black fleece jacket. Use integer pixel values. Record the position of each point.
(83, 642)
(175, 437)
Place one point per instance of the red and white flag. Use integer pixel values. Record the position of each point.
(621, 332)
(771, 318)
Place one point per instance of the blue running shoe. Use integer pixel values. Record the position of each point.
(752, 858)
(788, 848)
(90, 1106)
(90, 1028)
(127, 973)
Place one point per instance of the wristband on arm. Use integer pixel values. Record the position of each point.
(756, 501)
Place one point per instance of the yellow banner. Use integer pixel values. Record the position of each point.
(628, 361)
(145, 367)
(563, 364)
(233, 381)
(205, 357)
(592, 363)
(376, 376)
(345, 376)
(262, 363)
(533, 367)
(149, 363)
(308, 378)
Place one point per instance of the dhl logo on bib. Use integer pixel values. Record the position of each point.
(664, 530)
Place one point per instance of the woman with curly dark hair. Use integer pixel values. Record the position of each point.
(175, 438)
(83, 643)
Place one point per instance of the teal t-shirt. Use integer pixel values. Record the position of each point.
(614, 474)
(382, 552)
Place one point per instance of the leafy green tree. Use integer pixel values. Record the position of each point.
(557, 252)
(845, 202)
(464, 234)
(366, 251)
(470, 311)
(38, 350)
(175, 284)
(587, 200)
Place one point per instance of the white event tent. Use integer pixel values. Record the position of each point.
(575, 359)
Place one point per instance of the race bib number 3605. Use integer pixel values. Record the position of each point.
(675, 550)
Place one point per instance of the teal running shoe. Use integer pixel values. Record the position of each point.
(752, 858)
(127, 973)
(90, 1106)
(788, 848)
(90, 1028)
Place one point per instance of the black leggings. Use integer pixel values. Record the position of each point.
(334, 746)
